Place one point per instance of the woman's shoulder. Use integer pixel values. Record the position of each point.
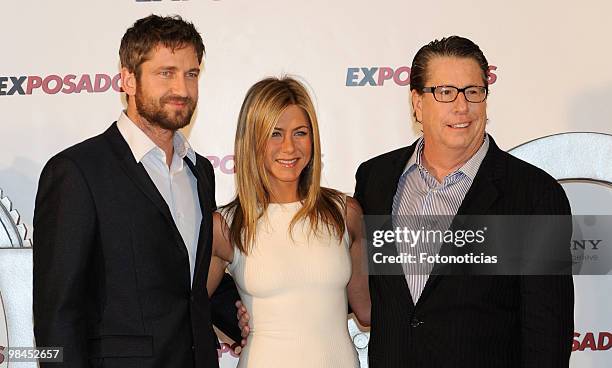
(227, 212)
(221, 234)
(353, 206)
(349, 204)
(334, 195)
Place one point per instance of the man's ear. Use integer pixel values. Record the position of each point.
(417, 105)
(128, 82)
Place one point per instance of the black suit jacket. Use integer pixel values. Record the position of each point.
(112, 280)
(472, 321)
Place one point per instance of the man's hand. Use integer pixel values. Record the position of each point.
(243, 322)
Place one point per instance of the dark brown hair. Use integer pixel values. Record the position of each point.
(454, 46)
(148, 33)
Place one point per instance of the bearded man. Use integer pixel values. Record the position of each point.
(123, 223)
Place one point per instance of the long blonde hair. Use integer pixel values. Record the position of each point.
(263, 105)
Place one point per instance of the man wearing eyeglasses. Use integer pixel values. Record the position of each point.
(431, 320)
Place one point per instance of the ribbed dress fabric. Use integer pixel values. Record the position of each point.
(294, 287)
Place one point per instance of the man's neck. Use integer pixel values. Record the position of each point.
(440, 161)
(162, 138)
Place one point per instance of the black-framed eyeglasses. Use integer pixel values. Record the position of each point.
(475, 94)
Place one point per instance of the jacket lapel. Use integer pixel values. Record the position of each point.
(140, 177)
(387, 185)
(206, 207)
(390, 182)
(478, 200)
(483, 192)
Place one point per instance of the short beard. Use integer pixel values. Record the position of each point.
(156, 115)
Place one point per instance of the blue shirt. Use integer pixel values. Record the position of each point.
(421, 200)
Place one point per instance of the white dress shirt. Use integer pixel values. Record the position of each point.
(176, 184)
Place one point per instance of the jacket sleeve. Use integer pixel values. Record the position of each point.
(547, 301)
(223, 309)
(64, 237)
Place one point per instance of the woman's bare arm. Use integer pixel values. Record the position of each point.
(358, 289)
(222, 253)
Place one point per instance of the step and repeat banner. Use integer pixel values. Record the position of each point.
(550, 79)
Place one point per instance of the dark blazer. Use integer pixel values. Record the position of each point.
(472, 321)
(112, 280)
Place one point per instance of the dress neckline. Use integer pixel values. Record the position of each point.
(284, 203)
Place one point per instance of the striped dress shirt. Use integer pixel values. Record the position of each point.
(422, 202)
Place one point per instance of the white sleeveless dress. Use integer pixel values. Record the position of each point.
(295, 291)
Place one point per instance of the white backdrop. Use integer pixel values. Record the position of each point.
(551, 64)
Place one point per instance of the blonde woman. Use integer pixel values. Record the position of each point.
(294, 248)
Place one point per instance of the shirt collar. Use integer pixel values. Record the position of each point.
(140, 144)
(182, 147)
(415, 159)
(470, 168)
